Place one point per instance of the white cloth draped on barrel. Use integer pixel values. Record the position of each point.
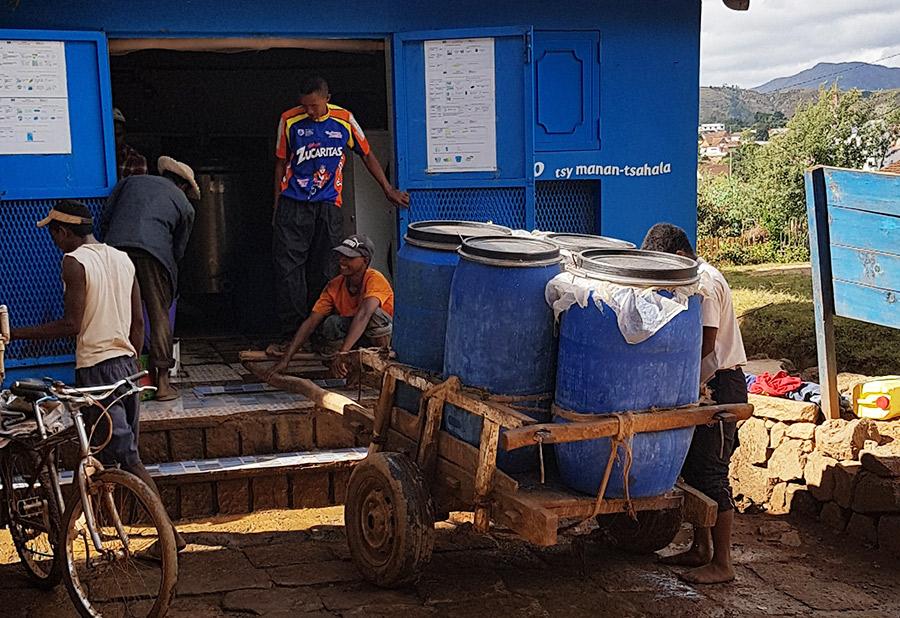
(640, 311)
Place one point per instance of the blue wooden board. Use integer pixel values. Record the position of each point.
(873, 192)
(868, 304)
(869, 268)
(864, 230)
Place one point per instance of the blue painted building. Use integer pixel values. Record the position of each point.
(594, 127)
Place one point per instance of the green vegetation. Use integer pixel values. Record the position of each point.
(776, 304)
(758, 213)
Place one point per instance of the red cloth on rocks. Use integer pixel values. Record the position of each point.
(776, 385)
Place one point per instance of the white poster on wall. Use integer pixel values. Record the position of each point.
(34, 101)
(460, 105)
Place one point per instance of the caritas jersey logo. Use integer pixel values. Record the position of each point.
(315, 151)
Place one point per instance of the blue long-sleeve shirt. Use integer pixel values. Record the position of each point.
(152, 214)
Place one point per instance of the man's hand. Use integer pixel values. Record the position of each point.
(279, 367)
(340, 365)
(400, 199)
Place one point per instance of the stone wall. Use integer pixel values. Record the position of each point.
(845, 472)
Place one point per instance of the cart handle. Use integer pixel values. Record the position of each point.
(607, 426)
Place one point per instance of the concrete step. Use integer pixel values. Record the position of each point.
(195, 489)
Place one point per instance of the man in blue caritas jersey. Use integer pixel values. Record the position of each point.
(312, 146)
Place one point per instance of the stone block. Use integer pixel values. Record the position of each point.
(776, 504)
(340, 479)
(791, 498)
(842, 439)
(863, 527)
(777, 434)
(802, 431)
(311, 489)
(754, 440)
(889, 432)
(819, 475)
(169, 494)
(257, 436)
(222, 441)
(154, 447)
(197, 500)
(751, 482)
(845, 476)
(846, 382)
(834, 516)
(269, 492)
(233, 496)
(331, 432)
(787, 462)
(785, 410)
(294, 432)
(874, 494)
(889, 534)
(186, 444)
(882, 461)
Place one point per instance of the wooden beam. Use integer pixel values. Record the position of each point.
(260, 356)
(699, 509)
(607, 426)
(428, 442)
(822, 287)
(328, 400)
(484, 474)
(383, 412)
(526, 517)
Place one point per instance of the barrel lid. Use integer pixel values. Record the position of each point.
(637, 267)
(582, 242)
(448, 235)
(523, 250)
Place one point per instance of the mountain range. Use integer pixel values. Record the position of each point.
(847, 75)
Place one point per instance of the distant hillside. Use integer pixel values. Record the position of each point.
(738, 108)
(847, 75)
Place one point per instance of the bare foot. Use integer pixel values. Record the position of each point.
(276, 349)
(691, 558)
(167, 393)
(712, 573)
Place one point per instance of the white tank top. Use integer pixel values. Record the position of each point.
(109, 277)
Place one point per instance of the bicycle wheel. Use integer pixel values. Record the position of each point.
(34, 518)
(136, 571)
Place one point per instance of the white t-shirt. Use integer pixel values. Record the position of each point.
(109, 277)
(718, 312)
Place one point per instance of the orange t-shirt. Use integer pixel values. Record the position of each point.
(336, 298)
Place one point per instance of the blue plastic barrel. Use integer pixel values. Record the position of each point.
(600, 373)
(425, 266)
(500, 331)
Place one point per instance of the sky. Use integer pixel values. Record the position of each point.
(778, 38)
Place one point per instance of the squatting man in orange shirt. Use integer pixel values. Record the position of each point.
(356, 305)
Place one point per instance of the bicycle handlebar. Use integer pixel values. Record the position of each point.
(70, 393)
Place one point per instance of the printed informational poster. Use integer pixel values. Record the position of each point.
(460, 105)
(34, 102)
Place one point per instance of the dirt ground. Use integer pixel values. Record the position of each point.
(296, 563)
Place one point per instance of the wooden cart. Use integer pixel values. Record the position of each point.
(416, 474)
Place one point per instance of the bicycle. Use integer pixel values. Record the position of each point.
(117, 541)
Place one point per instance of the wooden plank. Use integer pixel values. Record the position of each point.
(698, 509)
(823, 292)
(526, 517)
(484, 473)
(868, 304)
(383, 409)
(261, 356)
(606, 426)
(406, 423)
(871, 191)
(428, 443)
(465, 456)
(570, 505)
(864, 230)
(467, 399)
(870, 268)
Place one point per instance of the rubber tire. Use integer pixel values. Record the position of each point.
(166, 538)
(410, 546)
(52, 579)
(652, 531)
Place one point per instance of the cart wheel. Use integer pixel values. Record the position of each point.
(389, 519)
(652, 531)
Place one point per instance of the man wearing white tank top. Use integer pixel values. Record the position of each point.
(102, 302)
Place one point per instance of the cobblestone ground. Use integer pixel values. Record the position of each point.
(296, 563)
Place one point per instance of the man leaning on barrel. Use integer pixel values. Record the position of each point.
(357, 305)
(706, 466)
